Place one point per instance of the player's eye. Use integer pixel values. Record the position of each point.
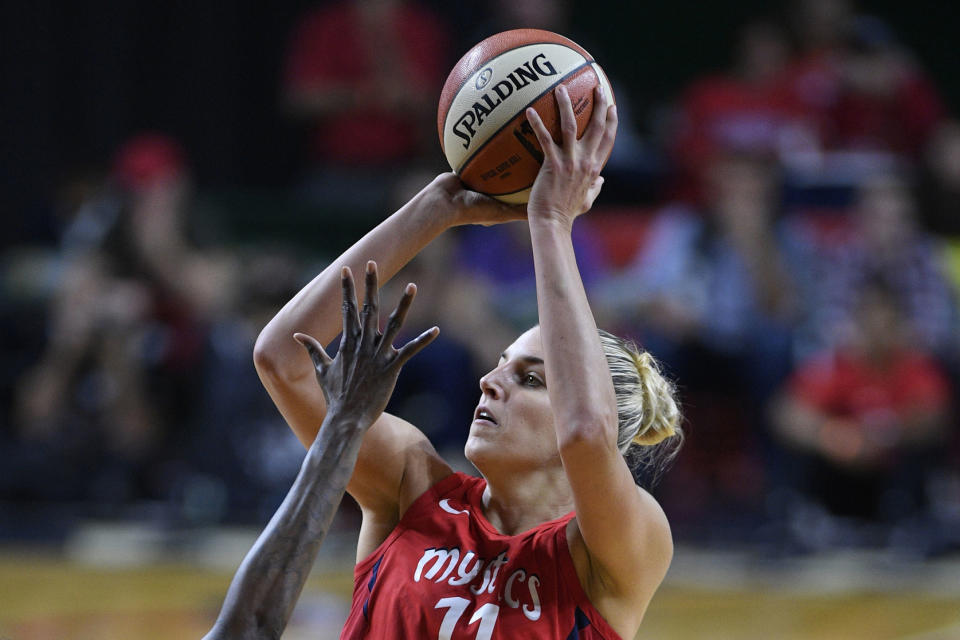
(531, 380)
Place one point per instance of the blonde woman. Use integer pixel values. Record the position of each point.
(555, 540)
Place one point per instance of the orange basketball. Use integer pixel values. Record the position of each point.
(483, 129)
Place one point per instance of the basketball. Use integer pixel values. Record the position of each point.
(483, 129)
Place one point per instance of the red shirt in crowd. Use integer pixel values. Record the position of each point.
(845, 386)
(332, 48)
(900, 120)
(722, 113)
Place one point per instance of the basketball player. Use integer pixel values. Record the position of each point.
(555, 540)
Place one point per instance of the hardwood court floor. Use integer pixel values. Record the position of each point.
(45, 598)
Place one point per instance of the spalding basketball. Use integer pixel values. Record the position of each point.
(483, 129)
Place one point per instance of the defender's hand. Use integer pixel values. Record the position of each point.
(358, 382)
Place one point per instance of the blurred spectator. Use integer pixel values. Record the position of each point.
(883, 240)
(821, 28)
(501, 259)
(111, 392)
(365, 75)
(866, 419)
(717, 277)
(939, 191)
(712, 295)
(939, 187)
(747, 109)
(858, 84)
(244, 456)
(886, 103)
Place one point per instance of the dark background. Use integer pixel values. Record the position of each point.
(79, 78)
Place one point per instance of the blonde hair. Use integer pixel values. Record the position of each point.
(649, 433)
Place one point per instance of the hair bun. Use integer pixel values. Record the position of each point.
(660, 414)
(653, 436)
(649, 431)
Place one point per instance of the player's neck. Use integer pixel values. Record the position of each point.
(517, 503)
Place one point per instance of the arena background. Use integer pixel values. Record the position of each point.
(131, 486)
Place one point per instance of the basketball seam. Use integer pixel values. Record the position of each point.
(489, 60)
(527, 106)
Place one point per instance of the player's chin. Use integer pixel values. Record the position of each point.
(479, 445)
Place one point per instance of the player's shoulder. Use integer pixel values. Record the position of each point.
(658, 531)
(397, 464)
(654, 538)
(422, 466)
(647, 548)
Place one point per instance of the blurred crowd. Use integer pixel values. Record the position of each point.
(786, 242)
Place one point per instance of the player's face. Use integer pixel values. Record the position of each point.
(513, 420)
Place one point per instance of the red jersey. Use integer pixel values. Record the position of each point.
(446, 573)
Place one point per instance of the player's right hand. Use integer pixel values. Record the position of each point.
(569, 179)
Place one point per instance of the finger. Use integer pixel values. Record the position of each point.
(591, 139)
(397, 317)
(370, 316)
(609, 133)
(416, 345)
(317, 353)
(351, 323)
(568, 121)
(540, 131)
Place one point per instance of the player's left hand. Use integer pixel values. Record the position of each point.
(470, 207)
(569, 180)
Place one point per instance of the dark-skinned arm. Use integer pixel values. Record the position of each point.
(356, 385)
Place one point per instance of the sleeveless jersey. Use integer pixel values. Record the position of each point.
(445, 573)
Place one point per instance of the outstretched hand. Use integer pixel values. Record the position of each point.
(358, 382)
(569, 180)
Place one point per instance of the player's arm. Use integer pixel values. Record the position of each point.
(357, 384)
(625, 533)
(287, 372)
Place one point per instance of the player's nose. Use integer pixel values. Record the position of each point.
(491, 385)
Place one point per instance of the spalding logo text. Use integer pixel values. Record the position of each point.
(520, 77)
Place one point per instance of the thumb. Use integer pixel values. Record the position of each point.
(486, 210)
(592, 194)
(315, 349)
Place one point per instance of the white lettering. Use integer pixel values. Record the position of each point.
(462, 569)
(486, 580)
(439, 557)
(519, 575)
(533, 613)
(463, 574)
(495, 565)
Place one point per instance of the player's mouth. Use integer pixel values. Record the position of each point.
(482, 414)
